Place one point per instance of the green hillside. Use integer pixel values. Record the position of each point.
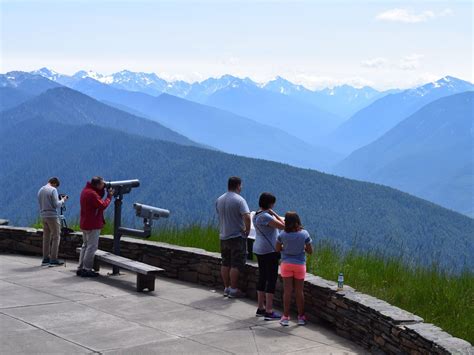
(187, 180)
(429, 154)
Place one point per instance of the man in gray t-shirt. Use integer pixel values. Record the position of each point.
(234, 227)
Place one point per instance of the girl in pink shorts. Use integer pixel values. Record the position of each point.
(293, 243)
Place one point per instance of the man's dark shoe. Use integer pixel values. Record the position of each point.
(79, 272)
(45, 262)
(89, 273)
(260, 312)
(56, 262)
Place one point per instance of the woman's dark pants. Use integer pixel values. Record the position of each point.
(267, 272)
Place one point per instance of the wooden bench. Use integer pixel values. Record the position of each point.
(145, 273)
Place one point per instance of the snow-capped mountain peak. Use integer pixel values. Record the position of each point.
(82, 74)
(212, 85)
(448, 83)
(149, 83)
(48, 73)
(137, 77)
(284, 86)
(351, 93)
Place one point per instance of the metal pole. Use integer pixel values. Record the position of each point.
(117, 233)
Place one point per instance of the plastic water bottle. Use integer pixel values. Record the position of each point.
(340, 281)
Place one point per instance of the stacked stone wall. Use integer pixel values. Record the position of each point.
(366, 320)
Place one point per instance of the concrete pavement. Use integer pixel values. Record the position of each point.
(50, 310)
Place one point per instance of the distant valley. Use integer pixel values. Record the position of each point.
(283, 121)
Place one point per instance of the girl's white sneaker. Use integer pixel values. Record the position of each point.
(285, 321)
(302, 320)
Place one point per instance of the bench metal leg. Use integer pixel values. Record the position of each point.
(145, 281)
(96, 265)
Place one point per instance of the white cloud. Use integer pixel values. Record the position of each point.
(407, 16)
(231, 61)
(445, 12)
(410, 62)
(374, 62)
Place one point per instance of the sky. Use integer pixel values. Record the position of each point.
(384, 44)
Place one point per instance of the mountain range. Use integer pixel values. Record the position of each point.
(236, 134)
(212, 126)
(296, 117)
(373, 121)
(277, 121)
(241, 96)
(65, 105)
(341, 101)
(215, 127)
(434, 145)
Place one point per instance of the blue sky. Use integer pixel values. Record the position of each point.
(316, 43)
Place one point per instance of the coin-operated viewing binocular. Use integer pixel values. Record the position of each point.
(148, 213)
(122, 187)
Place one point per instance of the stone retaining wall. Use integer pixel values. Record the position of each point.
(366, 320)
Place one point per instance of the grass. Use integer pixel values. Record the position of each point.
(197, 236)
(438, 297)
(203, 237)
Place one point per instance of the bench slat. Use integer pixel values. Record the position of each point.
(125, 263)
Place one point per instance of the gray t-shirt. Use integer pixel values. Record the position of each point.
(266, 235)
(293, 246)
(49, 201)
(230, 208)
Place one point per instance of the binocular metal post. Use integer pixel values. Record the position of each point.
(148, 213)
(117, 235)
(119, 230)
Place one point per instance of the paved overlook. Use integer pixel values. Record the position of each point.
(50, 310)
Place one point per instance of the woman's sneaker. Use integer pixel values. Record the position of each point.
(272, 315)
(226, 291)
(302, 320)
(285, 321)
(260, 312)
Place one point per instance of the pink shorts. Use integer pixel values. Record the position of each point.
(298, 271)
